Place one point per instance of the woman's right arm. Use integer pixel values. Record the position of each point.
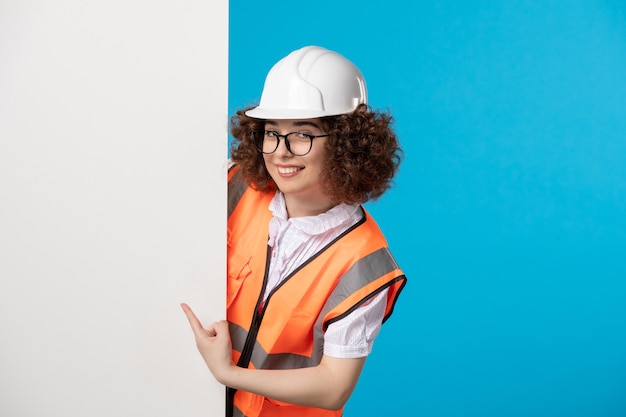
(327, 385)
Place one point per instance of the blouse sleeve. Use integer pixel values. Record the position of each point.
(353, 336)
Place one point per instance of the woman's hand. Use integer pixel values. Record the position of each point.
(213, 343)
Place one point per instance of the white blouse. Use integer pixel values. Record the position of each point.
(294, 241)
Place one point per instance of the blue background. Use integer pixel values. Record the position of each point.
(509, 213)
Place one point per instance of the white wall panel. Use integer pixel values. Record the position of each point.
(113, 136)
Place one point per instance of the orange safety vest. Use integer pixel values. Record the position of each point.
(287, 330)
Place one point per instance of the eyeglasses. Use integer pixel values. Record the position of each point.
(298, 143)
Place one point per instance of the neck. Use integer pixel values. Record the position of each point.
(301, 207)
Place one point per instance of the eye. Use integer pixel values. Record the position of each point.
(271, 134)
(302, 135)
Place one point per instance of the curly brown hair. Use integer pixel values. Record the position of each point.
(362, 154)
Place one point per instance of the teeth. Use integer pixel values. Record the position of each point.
(289, 170)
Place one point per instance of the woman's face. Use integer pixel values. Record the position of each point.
(298, 177)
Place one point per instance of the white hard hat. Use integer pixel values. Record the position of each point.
(308, 83)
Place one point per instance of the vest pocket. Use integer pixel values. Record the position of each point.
(238, 270)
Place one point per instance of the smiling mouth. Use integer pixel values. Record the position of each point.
(288, 170)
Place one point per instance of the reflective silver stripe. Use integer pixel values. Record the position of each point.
(237, 336)
(280, 360)
(237, 412)
(260, 358)
(236, 187)
(363, 272)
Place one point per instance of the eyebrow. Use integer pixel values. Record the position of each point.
(297, 123)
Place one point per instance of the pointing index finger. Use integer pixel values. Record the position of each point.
(195, 323)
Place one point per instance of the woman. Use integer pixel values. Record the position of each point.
(310, 277)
